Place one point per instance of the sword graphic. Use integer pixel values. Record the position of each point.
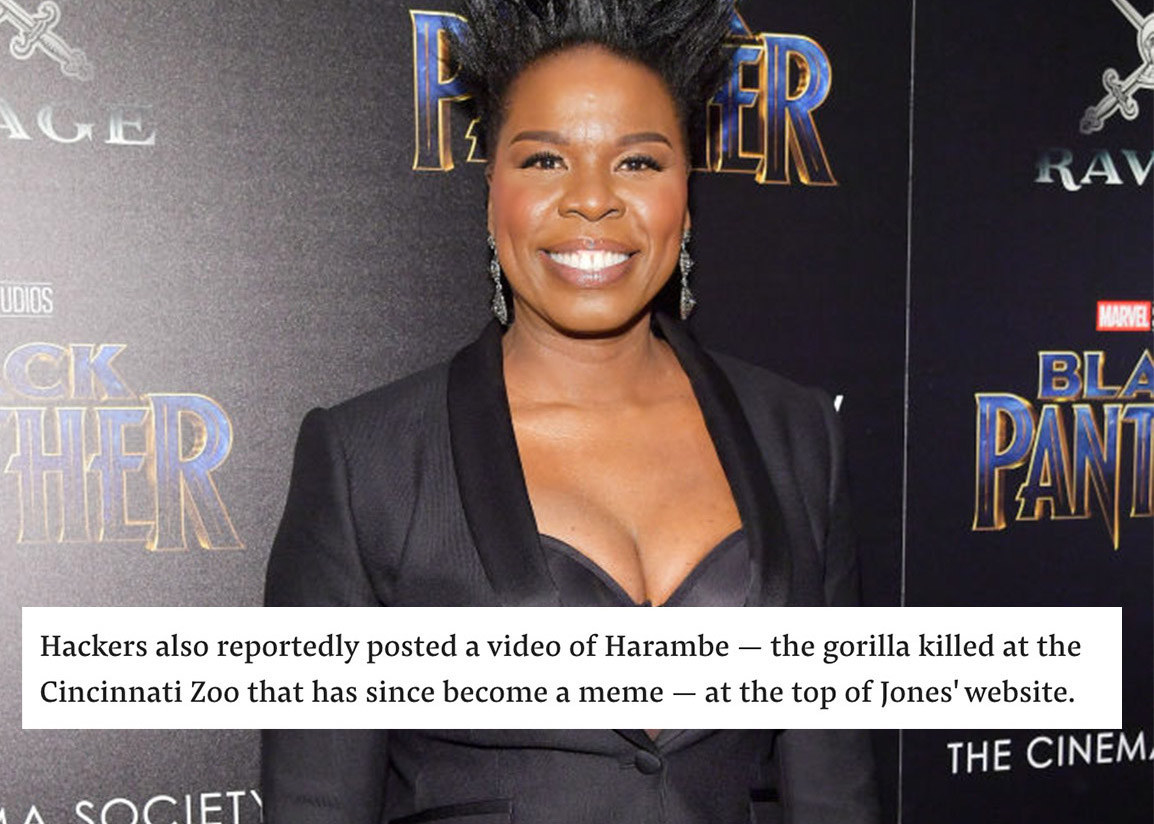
(37, 31)
(1130, 13)
(1120, 93)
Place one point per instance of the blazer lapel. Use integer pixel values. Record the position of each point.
(496, 504)
(489, 476)
(496, 501)
(757, 501)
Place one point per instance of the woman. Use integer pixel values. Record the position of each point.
(588, 454)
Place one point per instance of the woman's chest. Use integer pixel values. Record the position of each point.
(641, 493)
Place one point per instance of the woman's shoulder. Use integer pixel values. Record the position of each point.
(413, 402)
(787, 418)
(797, 430)
(419, 394)
(764, 392)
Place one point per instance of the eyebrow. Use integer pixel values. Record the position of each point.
(541, 137)
(644, 137)
(558, 139)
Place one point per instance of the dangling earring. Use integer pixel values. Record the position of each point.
(500, 310)
(685, 263)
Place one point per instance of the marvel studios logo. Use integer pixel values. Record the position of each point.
(25, 299)
(1123, 316)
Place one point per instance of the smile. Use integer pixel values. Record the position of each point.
(589, 261)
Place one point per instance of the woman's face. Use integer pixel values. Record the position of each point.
(587, 195)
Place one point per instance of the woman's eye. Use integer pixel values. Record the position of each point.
(543, 160)
(640, 163)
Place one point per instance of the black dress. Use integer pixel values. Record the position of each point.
(720, 579)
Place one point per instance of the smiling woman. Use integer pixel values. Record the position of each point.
(588, 203)
(588, 197)
(584, 451)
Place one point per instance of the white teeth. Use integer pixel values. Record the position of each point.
(589, 261)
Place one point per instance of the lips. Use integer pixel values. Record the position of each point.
(589, 262)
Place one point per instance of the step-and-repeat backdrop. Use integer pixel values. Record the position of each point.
(216, 216)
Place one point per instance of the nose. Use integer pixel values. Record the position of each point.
(591, 194)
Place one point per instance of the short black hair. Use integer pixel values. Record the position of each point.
(680, 40)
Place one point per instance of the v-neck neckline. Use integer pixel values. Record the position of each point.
(496, 500)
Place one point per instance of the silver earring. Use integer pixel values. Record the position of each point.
(500, 310)
(685, 264)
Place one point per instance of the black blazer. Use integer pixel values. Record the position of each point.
(413, 494)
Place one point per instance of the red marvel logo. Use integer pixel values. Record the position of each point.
(1123, 316)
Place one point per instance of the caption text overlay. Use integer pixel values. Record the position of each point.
(542, 667)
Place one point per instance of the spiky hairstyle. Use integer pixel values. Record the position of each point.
(680, 40)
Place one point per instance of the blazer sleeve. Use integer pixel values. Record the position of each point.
(320, 776)
(827, 776)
